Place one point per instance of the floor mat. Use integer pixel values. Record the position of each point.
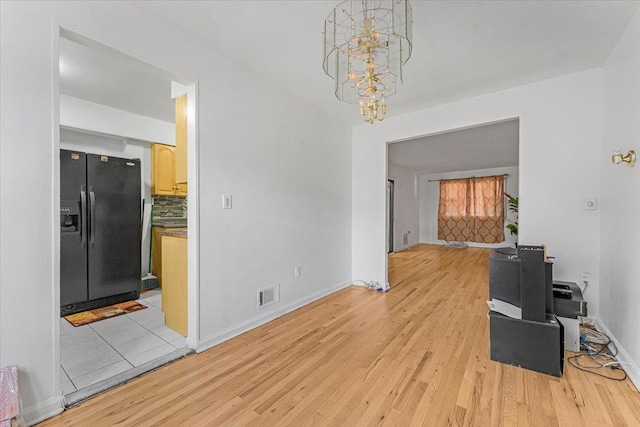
(98, 314)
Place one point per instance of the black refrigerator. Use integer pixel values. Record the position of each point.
(100, 230)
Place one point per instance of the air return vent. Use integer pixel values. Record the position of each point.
(268, 296)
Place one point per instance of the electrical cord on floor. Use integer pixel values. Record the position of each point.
(597, 358)
(591, 335)
(573, 361)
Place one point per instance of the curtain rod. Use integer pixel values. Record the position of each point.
(454, 179)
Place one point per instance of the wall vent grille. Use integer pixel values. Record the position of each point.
(268, 296)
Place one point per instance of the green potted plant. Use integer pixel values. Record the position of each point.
(512, 206)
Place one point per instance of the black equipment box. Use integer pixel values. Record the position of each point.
(523, 278)
(504, 278)
(538, 346)
(568, 300)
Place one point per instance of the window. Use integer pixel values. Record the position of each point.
(472, 210)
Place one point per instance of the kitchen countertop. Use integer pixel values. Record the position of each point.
(168, 222)
(176, 235)
(180, 234)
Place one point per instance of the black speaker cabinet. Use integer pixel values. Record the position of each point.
(505, 279)
(538, 346)
(533, 292)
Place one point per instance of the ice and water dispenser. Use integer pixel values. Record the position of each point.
(69, 216)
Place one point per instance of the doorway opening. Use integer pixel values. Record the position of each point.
(118, 318)
(417, 167)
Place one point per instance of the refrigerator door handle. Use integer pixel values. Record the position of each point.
(92, 215)
(83, 216)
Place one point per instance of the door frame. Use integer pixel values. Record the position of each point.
(391, 186)
(193, 198)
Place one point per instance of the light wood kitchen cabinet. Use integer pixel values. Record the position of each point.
(181, 189)
(156, 250)
(181, 140)
(163, 165)
(174, 290)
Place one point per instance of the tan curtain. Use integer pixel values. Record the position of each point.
(453, 211)
(472, 210)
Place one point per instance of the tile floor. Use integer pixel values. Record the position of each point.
(97, 351)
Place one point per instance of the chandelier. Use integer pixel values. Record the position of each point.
(366, 44)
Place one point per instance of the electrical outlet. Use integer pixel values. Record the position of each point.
(296, 271)
(584, 280)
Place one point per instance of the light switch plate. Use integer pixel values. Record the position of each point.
(226, 201)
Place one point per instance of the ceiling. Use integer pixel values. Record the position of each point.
(460, 49)
(480, 147)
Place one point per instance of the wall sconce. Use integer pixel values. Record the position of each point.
(629, 158)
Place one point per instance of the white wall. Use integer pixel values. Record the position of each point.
(430, 200)
(80, 114)
(559, 165)
(406, 207)
(620, 197)
(289, 173)
(117, 147)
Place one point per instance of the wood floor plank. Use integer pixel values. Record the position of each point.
(417, 355)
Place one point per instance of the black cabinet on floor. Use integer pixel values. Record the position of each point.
(535, 339)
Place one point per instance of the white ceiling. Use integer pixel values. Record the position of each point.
(461, 48)
(481, 147)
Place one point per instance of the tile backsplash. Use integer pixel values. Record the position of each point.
(169, 207)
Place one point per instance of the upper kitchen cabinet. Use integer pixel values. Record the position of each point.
(163, 172)
(181, 189)
(181, 140)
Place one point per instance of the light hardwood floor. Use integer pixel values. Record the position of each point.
(417, 355)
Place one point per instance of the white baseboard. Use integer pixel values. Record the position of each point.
(404, 248)
(629, 365)
(43, 410)
(472, 244)
(191, 343)
(234, 331)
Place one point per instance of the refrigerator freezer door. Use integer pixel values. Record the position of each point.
(73, 250)
(114, 239)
